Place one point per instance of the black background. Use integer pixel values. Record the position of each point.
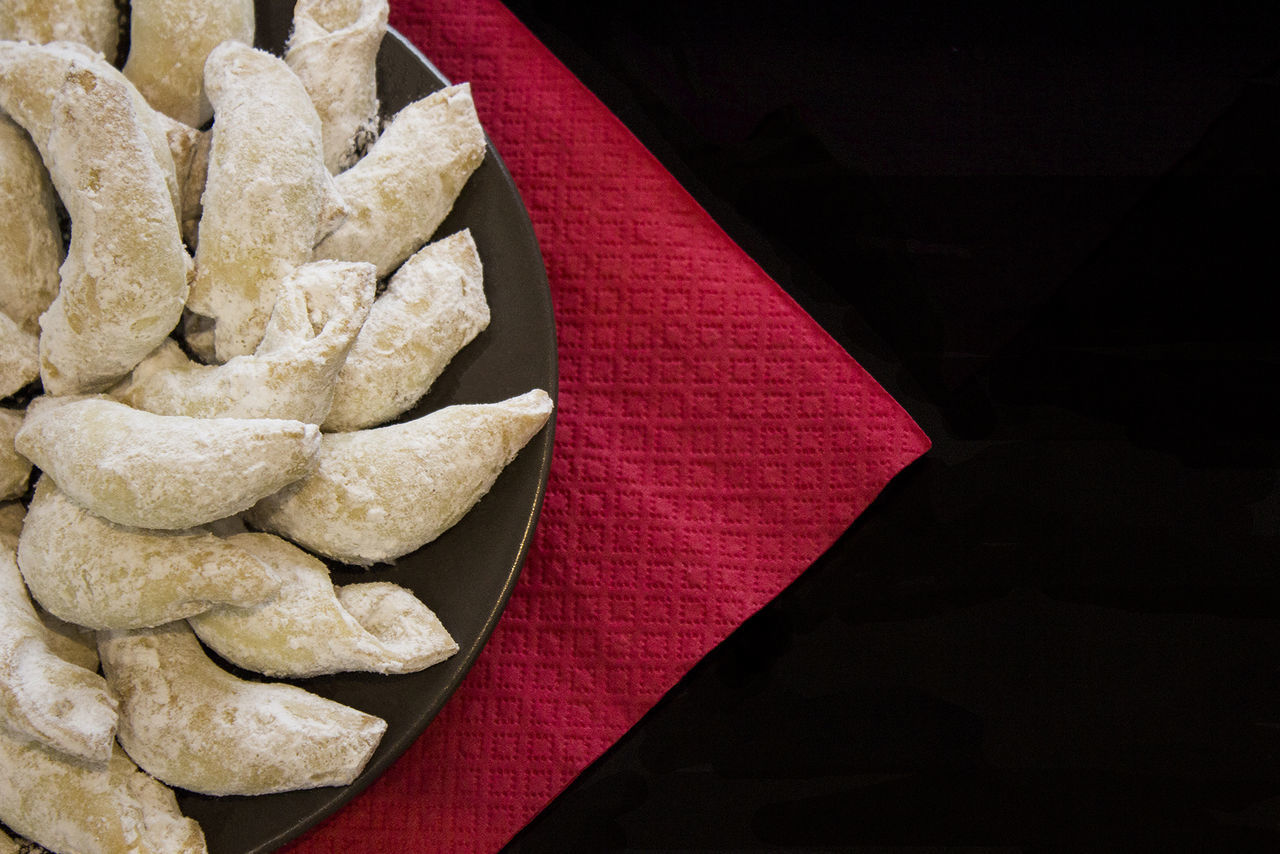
(1050, 231)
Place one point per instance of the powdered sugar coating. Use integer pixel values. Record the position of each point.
(334, 51)
(95, 573)
(124, 281)
(42, 696)
(378, 494)
(402, 189)
(182, 716)
(169, 43)
(162, 471)
(306, 630)
(433, 306)
(51, 63)
(116, 807)
(267, 199)
(292, 374)
(400, 621)
(93, 23)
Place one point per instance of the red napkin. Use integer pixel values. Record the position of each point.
(711, 442)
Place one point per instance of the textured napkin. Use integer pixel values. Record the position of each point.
(711, 442)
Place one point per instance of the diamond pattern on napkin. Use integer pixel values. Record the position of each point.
(711, 442)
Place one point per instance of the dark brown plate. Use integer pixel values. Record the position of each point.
(467, 575)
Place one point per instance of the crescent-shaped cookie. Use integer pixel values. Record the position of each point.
(30, 241)
(293, 373)
(68, 641)
(267, 199)
(32, 75)
(94, 23)
(124, 280)
(307, 630)
(333, 49)
(162, 471)
(42, 696)
(168, 136)
(379, 494)
(66, 805)
(169, 41)
(404, 187)
(95, 573)
(182, 716)
(433, 306)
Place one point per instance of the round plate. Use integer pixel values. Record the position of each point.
(467, 574)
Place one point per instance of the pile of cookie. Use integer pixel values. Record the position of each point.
(202, 391)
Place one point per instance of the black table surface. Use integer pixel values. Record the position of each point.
(1050, 231)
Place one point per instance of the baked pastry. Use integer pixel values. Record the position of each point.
(162, 471)
(182, 716)
(124, 281)
(95, 573)
(30, 242)
(15, 469)
(169, 41)
(378, 494)
(19, 356)
(404, 187)
(171, 140)
(32, 75)
(293, 372)
(95, 23)
(44, 697)
(433, 306)
(267, 199)
(333, 49)
(30, 78)
(117, 808)
(68, 641)
(307, 630)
